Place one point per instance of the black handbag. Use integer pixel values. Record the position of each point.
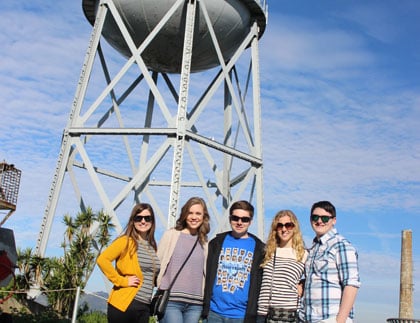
(159, 303)
(281, 315)
(161, 297)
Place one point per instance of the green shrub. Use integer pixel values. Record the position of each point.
(47, 316)
(93, 317)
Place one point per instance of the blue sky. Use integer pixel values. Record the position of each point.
(340, 107)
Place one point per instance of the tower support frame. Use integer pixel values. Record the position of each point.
(221, 168)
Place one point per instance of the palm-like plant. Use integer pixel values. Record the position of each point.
(85, 237)
(24, 267)
(70, 227)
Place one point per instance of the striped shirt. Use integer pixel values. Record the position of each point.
(150, 265)
(332, 264)
(282, 283)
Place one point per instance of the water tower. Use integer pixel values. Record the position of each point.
(167, 107)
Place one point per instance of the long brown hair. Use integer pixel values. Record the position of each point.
(273, 240)
(204, 228)
(131, 232)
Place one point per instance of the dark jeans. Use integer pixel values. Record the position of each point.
(261, 318)
(137, 312)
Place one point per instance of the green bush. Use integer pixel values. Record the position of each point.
(47, 316)
(93, 317)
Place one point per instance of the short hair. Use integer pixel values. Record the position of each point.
(326, 205)
(242, 205)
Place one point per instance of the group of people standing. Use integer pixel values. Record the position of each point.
(235, 277)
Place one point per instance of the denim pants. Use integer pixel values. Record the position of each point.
(261, 318)
(181, 312)
(216, 318)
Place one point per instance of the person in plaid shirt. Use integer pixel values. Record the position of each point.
(331, 269)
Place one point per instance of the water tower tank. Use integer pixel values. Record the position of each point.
(231, 20)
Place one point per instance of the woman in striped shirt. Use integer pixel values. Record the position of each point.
(283, 267)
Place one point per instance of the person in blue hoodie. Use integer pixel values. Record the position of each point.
(234, 273)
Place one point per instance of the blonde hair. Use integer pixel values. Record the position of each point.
(273, 240)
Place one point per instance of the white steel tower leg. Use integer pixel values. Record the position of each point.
(66, 141)
(182, 113)
(259, 184)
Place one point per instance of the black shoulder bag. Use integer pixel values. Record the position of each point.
(161, 297)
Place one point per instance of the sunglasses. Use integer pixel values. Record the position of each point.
(288, 225)
(244, 219)
(139, 218)
(324, 218)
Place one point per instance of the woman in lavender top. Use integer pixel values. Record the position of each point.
(186, 297)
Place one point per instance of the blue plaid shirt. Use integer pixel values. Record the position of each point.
(331, 265)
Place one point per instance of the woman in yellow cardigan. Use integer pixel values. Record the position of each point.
(136, 268)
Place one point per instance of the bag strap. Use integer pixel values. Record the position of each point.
(272, 276)
(182, 266)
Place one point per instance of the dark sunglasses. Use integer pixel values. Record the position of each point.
(324, 218)
(139, 218)
(288, 225)
(244, 219)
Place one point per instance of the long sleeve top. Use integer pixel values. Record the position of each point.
(331, 265)
(166, 249)
(126, 264)
(215, 248)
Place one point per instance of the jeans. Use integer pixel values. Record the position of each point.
(348, 320)
(261, 318)
(181, 312)
(216, 318)
(330, 320)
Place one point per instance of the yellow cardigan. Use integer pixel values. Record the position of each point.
(126, 264)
